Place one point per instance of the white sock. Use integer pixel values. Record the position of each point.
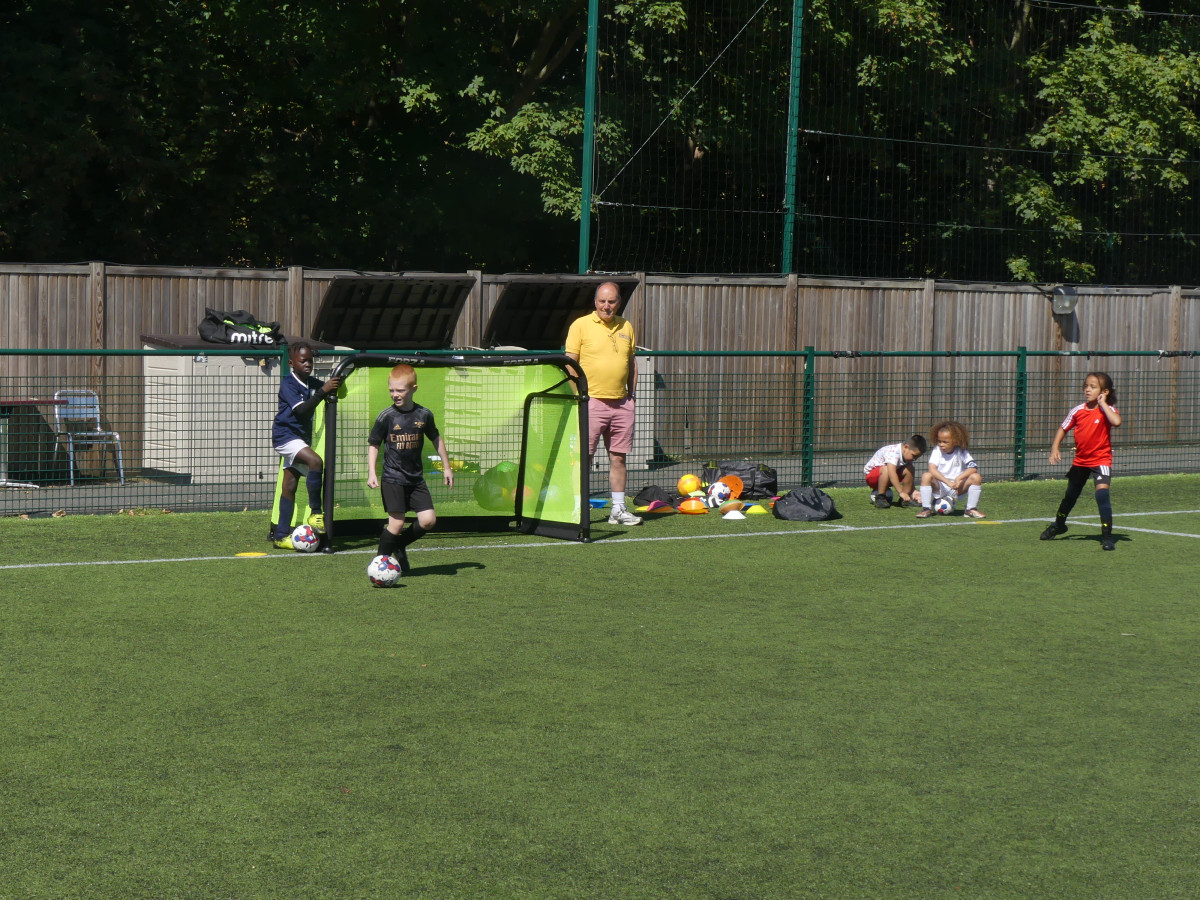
(927, 496)
(618, 499)
(973, 493)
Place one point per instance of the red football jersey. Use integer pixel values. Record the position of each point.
(1093, 435)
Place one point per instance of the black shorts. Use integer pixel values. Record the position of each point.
(400, 498)
(1101, 475)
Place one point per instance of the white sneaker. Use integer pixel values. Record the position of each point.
(622, 516)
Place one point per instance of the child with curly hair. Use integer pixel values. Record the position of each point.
(952, 470)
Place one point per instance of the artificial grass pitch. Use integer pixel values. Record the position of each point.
(953, 710)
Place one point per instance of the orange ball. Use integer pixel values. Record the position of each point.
(687, 484)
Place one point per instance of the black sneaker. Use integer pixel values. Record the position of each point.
(1107, 542)
(882, 502)
(1053, 530)
(402, 557)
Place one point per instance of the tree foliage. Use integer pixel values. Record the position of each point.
(1022, 138)
(1120, 115)
(408, 134)
(264, 133)
(1026, 139)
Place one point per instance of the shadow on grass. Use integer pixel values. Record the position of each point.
(447, 569)
(1090, 538)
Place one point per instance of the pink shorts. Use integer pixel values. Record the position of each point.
(873, 475)
(614, 420)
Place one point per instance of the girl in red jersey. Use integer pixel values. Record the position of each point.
(1093, 422)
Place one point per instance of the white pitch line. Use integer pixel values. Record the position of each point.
(1157, 531)
(822, 528)
(1167, 512)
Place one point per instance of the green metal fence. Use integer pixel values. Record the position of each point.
(817, 416)
(193, 430)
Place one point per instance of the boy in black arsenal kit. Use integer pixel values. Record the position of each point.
(401, 430)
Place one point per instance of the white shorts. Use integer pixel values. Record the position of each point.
(941, 491)
(288, 451)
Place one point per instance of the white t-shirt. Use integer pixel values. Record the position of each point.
(951, 466)
(891, 455)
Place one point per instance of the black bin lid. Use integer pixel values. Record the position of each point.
(412, 311)
(535, 311)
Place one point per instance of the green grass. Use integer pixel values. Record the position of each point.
(948, 709)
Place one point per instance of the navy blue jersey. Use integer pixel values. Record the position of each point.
(401, 435)
(288, 426)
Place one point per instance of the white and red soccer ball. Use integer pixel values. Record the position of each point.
(305, 539)
(718, 492)
(383, 571)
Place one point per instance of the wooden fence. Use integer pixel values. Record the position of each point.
(100, 306)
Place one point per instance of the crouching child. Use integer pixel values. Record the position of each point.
(892, 467)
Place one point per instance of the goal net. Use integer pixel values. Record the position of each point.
(514, 429)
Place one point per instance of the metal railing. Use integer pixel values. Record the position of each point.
(817, 416)
(194, 428)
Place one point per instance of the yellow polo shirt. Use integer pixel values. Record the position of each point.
(605, 352)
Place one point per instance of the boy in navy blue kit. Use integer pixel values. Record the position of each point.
(401, 430)
(299, 396)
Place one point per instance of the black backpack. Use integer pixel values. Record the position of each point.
(806, 504)
(758, 481)
(238, 327)
(652, 492)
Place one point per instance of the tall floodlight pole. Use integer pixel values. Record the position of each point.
(589, 137)
(793, 140)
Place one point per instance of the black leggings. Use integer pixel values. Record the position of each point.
(1076, 479)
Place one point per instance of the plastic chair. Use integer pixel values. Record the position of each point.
(78, 419)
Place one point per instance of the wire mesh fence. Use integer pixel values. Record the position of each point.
(192, 432)
(820, 415)
(971, 141)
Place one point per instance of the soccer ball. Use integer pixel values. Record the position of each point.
(687, 484)
(718, 493)
(383, 571)
(305, 539)
(944, 506)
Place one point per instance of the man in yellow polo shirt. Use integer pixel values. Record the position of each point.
(602, 343)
